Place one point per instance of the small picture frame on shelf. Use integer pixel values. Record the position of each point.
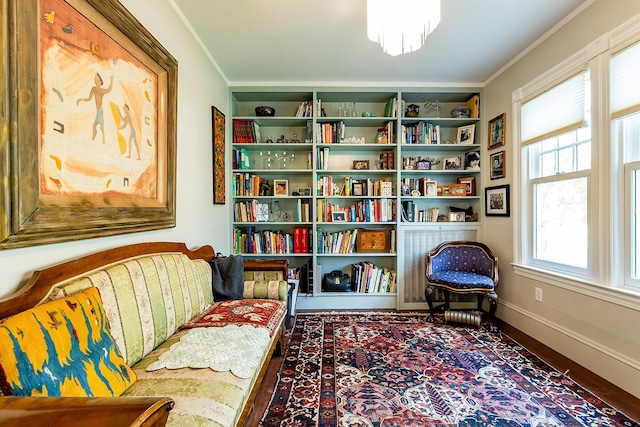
(466, 134)
(472, 160)
(443, 190)
(457, 190)
(361, 164)
(452, 163)
(423, 165)
(338, 216)
(431, 188)
(357, 189)
(496, 131)
(470, 183)
(456, 216)
(280, 187)
(497, 165)
(304, 191)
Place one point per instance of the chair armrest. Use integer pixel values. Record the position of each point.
(261, 276)
(281, 265)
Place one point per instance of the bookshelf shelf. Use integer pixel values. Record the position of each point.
(325, 148)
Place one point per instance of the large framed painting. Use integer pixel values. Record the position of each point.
(88, 141)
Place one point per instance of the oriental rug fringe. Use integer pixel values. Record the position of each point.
(397, 369)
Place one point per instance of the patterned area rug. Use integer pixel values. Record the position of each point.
(389, 369)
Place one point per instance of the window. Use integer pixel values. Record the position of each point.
(625, 125)
(556, 141)
(580, 169)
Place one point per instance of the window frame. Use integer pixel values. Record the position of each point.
(607, 277)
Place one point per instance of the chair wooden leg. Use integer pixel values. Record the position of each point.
(480, 300)
(493, 304)
(428, 294)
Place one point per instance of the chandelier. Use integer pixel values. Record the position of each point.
(401, 26)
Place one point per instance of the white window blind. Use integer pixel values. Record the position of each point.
(625, 84)
(554, 112)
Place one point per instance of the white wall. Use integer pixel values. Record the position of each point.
(600, 335)
(199, 221)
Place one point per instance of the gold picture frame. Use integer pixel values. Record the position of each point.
(96, 81)
(497, 128)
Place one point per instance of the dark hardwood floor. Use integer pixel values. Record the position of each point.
(601, 388)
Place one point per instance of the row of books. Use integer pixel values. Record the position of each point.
(368, 210)
(367, 277)
(420, 133)
(248, 132)
(305, 109)
(240, 159)
(392, 107)
(252, 241)
(338, 242)
(410, 213)
(248, 185)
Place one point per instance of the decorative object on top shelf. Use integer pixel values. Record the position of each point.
(218, 122)
(497, 165)
(401, 27)
(428, 105)
(497, 200)
(265, 111)
(413, 110)
(461, 113)
(284, 157)
(361, 164)
(282, 140)
(466, 134)
(368, 114)
(497, 131)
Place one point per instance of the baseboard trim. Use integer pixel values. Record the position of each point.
(591, 354)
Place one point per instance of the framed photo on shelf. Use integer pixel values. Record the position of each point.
(472, 160)
(497, 165)
(457, 190)
(497, 131)
(470, 184)
(361, 164)
(304, 191)
(465, 134)
(456, 216)
(357, 189)
(423, 165)
(452, 163)
(497, 200)
(338, 216)
(431, 188)
(280, 187)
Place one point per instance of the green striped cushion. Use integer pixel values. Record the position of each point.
(147, 298)
(203, 397)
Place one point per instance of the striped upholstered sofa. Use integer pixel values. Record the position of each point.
(152, 296)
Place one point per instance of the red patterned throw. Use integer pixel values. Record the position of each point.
(254, 312)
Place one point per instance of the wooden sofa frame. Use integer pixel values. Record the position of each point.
(29, 410)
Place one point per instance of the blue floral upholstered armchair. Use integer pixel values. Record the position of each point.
(462, 267)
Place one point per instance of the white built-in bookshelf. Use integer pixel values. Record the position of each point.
(330, 189)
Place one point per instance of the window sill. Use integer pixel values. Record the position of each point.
(622, 297)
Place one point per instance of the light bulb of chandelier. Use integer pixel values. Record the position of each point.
(401, 26)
